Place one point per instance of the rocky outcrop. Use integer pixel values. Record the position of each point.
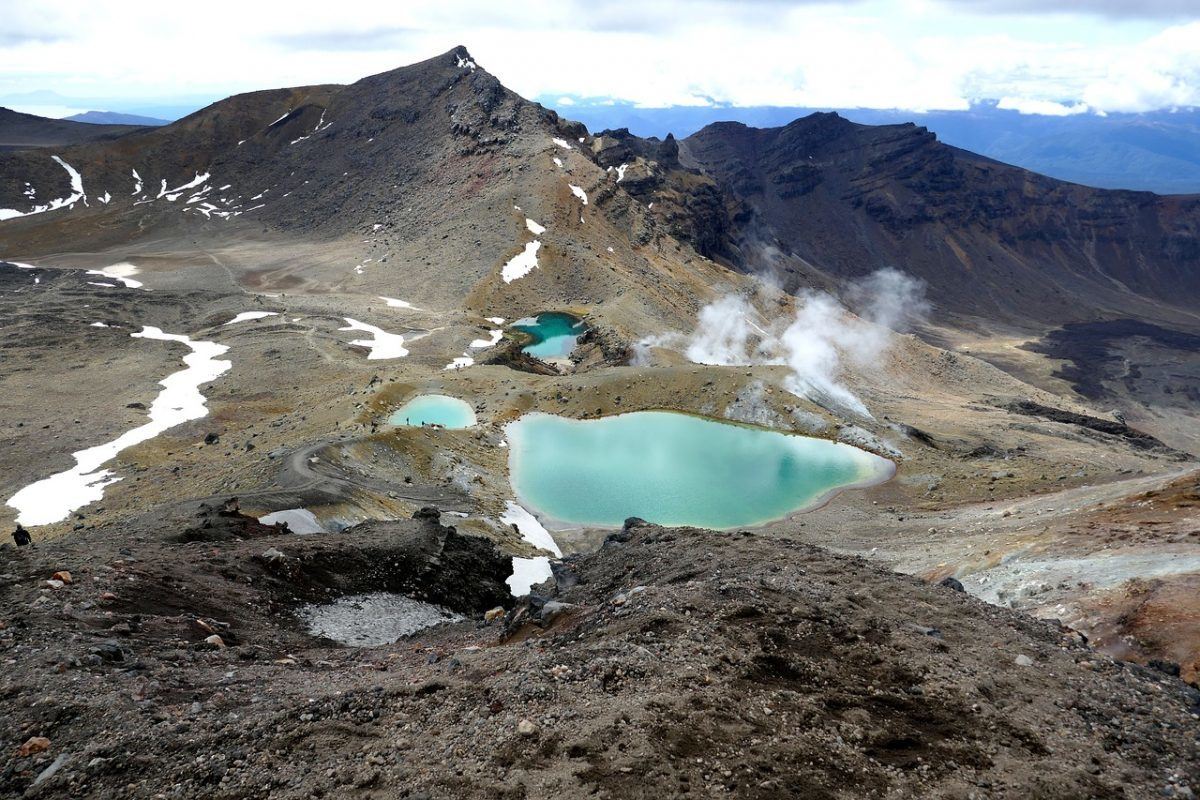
(428, 562)
(224, 522)
(688, 205)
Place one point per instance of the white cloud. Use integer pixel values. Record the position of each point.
(1165, 9)
(915, 54)
(1047, 108)
(1162, 72)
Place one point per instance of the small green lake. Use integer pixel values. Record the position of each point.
(554, 333)
(676, 469)
(434, 409)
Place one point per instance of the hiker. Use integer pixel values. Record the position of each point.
(21, 536)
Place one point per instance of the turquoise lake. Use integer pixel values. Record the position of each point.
(676, 469)
(554, 334)
(434, 409)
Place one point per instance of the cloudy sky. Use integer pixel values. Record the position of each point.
(1043, 56)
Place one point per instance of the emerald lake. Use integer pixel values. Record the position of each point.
(554, 334)
(676, 469)
(434, 409)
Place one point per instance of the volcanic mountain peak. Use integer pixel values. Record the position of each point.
(287, 156)
(838, 199)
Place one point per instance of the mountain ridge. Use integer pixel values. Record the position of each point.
(19, 131)
(1155, 151)
(985, 236)
(117, 118)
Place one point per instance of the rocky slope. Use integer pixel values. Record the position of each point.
(669, 663)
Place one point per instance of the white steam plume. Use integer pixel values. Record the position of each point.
(818, 344)
(726, 333)
(812, 345)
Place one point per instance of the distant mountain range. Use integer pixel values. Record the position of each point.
(117, 118)
(1157, 151)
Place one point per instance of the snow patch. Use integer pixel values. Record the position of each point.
(578, 192)
(528, 572)
(299, 520)
(522, 263)
(173, 194)
(62, 202)
(246, 316)
(382, 345)
(122, 272)
(54, 498)
(534, 228)
(479, 344)
(528, 526)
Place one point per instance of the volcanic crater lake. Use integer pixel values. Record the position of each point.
(676, 469)
(434, 409)
(554, 333)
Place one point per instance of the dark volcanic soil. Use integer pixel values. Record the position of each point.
(1094, 360)
(675, 663)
